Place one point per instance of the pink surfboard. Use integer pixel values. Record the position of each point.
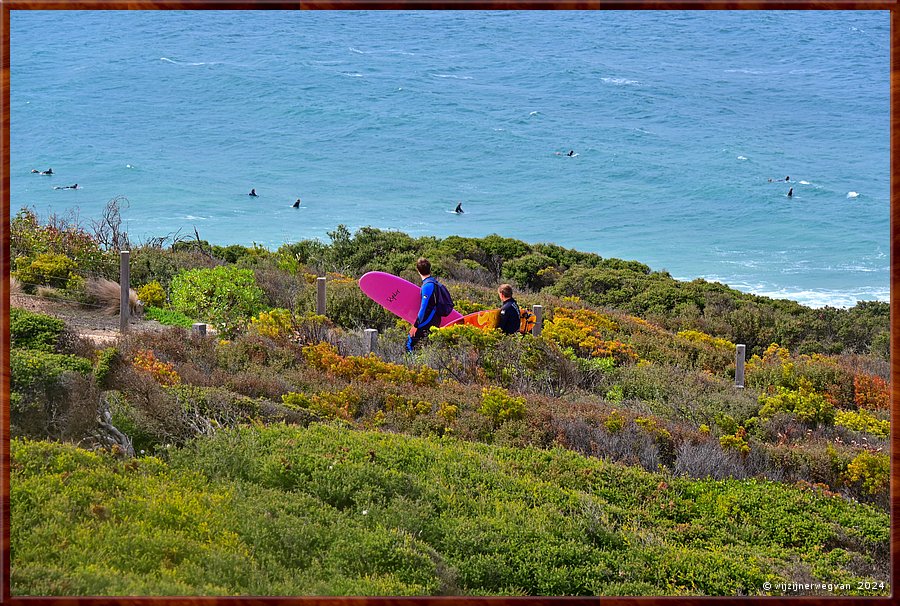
(398, 296)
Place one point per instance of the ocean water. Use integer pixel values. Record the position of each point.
(388, 119)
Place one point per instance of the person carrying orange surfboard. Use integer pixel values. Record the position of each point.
(510, 316)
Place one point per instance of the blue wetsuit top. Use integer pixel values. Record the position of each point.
(426, 309)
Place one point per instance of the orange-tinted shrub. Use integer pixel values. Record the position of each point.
(163, 372)
(871, 392)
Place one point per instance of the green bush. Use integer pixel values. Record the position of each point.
(149, 263)
(106, 359)
(28, 330)
(499, 406)
(45, 269)
(526, 271)
(145, 435)
(224, 296)
(35, 370)
(465, 334)
(55, 395)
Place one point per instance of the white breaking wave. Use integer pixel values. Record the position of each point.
(452, 76)
(852, 194)
(390, 51)
(811, 297)
(619, 81)
(742, 157)
(751, 72)
(167, 60)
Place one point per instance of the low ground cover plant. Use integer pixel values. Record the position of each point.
(328, 511)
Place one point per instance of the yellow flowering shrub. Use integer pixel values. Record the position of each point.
(736, 442)
(324, 356)
(872, 470)
(276, 324)
(863, 421)
(152, 294)
(342, 404)
(695, 336)
(583, 331)
(448, 411)
(805, 402)
(410, 408)
(594, 319)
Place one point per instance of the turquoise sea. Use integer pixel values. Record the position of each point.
(678, 121)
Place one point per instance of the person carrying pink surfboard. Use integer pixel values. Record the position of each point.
(436, 303)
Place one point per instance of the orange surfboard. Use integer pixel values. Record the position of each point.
(488, 319)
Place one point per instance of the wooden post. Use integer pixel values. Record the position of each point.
(740, 354)
(320, 296)
(199, 328)
(124, 284)
(538, 319)
(371, 340)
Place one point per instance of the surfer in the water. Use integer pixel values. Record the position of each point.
(49, 171)
(253, 193)
(459, 209)
(427, 316)
(510, 315)
(791, 193)
(571, 153)
(786, 179)
(75, 186)
(296, 204)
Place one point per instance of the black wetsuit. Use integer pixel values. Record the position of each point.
(510, 317)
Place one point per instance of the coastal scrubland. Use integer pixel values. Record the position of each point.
(610, 455)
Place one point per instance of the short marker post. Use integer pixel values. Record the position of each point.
(739, 356)
(125, 287)
(538, 319)
(320, 295)
(371, 340)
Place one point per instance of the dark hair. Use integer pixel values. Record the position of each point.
(505, 290)
(423, 266)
